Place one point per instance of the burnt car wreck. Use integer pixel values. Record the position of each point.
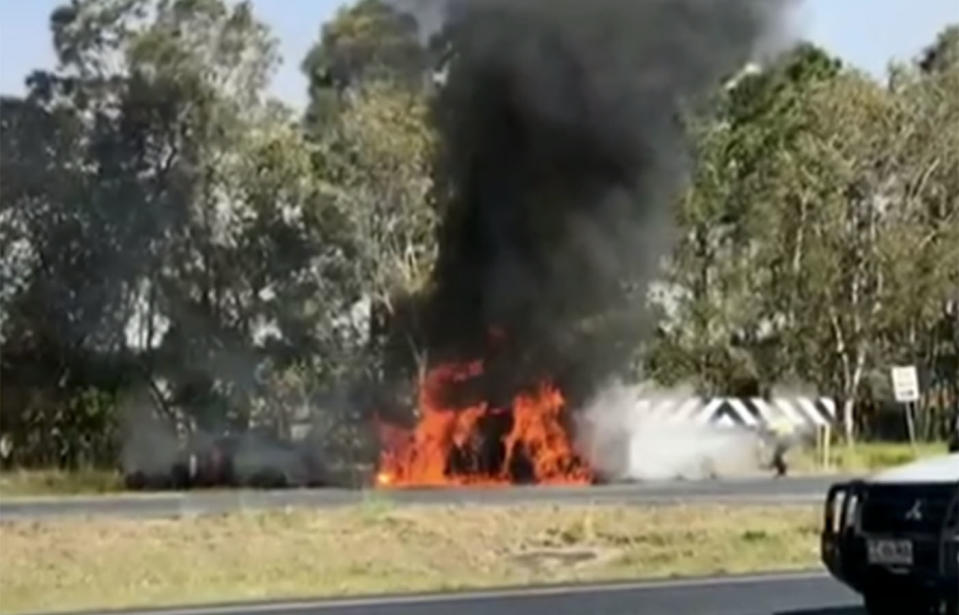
(244, 460)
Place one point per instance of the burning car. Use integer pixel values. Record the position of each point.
(894, 537)
(459, 440)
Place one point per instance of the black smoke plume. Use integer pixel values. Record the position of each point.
(562, 154)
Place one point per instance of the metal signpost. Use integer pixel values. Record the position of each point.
(905, 386)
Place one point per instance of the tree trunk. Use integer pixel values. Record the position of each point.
(847, 419)
(853, 369)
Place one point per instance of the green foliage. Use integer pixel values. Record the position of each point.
(366, 41)
(943, 55)
(819, 232)
(378, 157)
(170, 235)
(73, 432)
(717, 296)
(173, 223)
(163, 213)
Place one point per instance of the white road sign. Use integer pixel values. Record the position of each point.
(905, 383)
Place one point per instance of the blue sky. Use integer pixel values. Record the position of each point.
(865, 33)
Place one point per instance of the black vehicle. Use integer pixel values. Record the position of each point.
(894, 538)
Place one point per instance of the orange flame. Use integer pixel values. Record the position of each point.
(537, 438)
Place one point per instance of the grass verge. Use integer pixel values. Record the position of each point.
(867, 456)
(69, 565)
(58, 482)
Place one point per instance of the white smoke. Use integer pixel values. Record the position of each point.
(624, 441)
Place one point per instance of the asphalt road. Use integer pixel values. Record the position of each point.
(787, 594)
(805, 490)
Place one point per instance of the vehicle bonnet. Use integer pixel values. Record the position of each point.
(939, 469)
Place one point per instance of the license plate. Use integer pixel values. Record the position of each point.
(890, 552)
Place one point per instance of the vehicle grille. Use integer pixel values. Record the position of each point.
(886, 508)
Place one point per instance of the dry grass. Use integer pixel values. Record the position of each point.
(376, 548)
(58, 482)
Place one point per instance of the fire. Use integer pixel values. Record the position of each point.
(477, 444)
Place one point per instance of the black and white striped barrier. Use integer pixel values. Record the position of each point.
(800, 412)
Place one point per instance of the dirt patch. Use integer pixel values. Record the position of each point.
(541, 559)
